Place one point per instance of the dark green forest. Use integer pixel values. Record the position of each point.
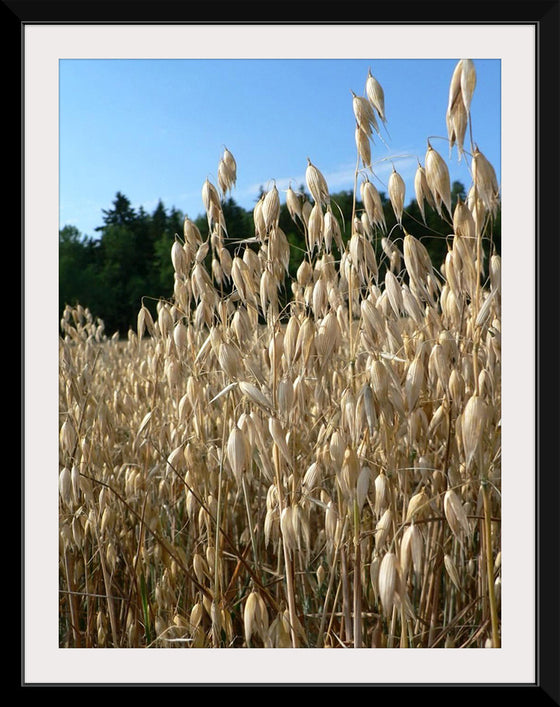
(128, 262)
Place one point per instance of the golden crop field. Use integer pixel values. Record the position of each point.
(241, 472)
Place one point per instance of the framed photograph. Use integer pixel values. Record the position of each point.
(287, 364)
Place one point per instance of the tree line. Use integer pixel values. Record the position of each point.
(129, 261)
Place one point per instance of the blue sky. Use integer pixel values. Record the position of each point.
(155, 129)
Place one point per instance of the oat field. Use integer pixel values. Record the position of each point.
(244, 473)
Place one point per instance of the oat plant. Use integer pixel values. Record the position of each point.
(246, 470)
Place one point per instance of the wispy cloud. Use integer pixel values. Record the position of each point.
(343, 177)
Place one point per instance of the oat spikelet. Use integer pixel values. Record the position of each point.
(457, 122)
(294, 204)
(317, 184)
(417, 506)
(364, 114)
(287, 526)
(463, 222)
(412, 549)
(179, 259)
(237, 452)
(455, 514)
(255, 394)
(452, 571)
(396, 188)
(383, 527)
(468, 82)
(422, 191)
(372, 203)
(394, 293)
(461, 90)
(388, 580)
(65, 487)
(279, 436)
(485, 181)
(362, 486)
(230, 168)
(315, 226)
(255, 617)
(376, 95)
(414, 381)
(350, 471)
(455, 86)
(363, 145)
(473, 424)
(437, 176)
(271, 209)
(332, 232)
(212, 204)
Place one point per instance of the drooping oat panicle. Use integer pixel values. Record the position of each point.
(396, 188)
(437, 177)
(317, 184)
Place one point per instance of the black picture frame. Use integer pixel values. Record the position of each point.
(545, 18)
